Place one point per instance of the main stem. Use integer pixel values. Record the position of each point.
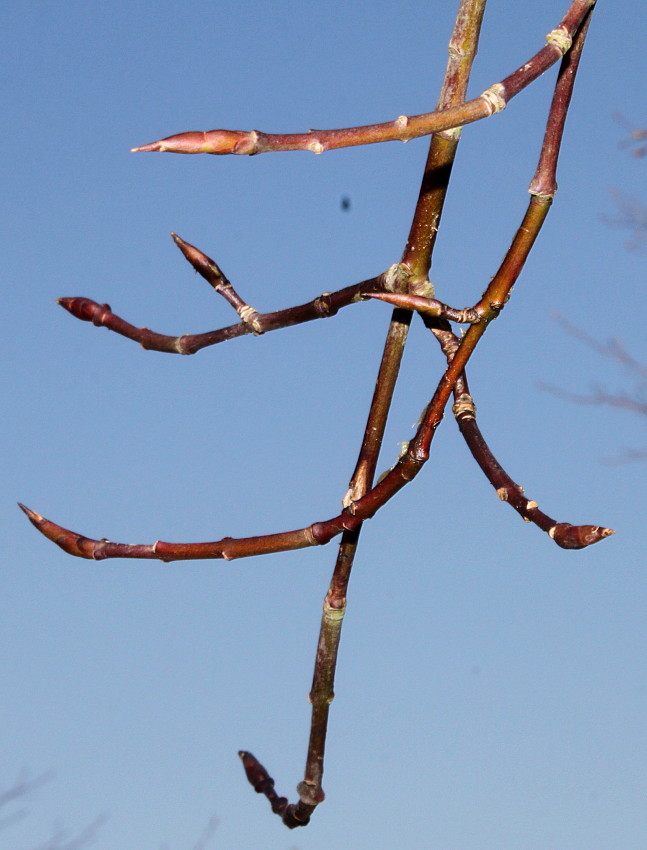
(310, 790)
(417, 258)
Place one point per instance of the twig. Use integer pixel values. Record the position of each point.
(325, 305)
(427, 306)
(494, 99)
(566, 536)
(211, 272)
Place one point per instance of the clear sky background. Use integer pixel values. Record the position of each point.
(491, 688)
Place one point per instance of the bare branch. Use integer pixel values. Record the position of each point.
(632, 216)
(494, 99)
(612, 349)
(325, 305)
(566, 536)
(406, 287)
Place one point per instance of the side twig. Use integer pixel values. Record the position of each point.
(493, 99)
(325, 305)
(566, 535)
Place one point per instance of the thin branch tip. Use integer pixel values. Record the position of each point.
(32, 516)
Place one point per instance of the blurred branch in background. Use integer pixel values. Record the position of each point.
(634, 401)
(636, 139)
(631, 215)
(13, 809)
(18, 795)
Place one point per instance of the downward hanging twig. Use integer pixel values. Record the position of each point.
(566, 536)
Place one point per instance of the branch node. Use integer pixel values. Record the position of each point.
(333, 614)
(494, 98)
(322, 305)
(310, 794)
(309, 536)
(249, 145)
(249, 317)
(422, 287)
(464, 407)
(560, 39)
(394, 277)
(182, 344)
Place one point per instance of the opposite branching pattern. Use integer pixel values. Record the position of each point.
(406, 286)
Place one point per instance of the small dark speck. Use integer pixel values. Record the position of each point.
(345, 203)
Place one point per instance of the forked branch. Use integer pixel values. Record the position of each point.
(406, 286)
(325, 305)
(408, 466)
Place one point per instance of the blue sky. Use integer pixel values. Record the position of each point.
(491, 687)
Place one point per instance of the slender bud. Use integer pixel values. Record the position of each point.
(196, 141)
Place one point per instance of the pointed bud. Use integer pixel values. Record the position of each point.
(69, 541)
(203, 264)
(578, 536)
(213, 141)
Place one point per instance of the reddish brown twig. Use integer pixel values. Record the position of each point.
(211, 272)
(493, 99)
(564, 534)
(544, 182)
(291, 815)
(325, 305)
(427, 306)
